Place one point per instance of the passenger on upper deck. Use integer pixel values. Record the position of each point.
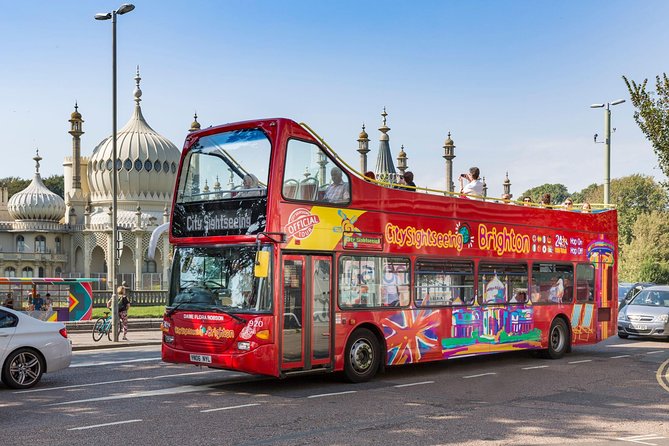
(474, 186)
(545, 200)
(586, 207)
(337, 191)
(568, 204)
(370, 175)
(408, 181)
(527, 201)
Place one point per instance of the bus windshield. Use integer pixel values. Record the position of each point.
(218, 279)
(229, 165)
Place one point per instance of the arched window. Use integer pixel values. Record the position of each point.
(10, 271)
(59, 246)
(27, 272)
(20, 243)
(149, 266)
(40, 244)
(40, 271)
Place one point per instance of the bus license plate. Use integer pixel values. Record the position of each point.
(639, 326)
(206, 359)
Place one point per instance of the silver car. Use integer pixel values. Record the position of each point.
(646, 315)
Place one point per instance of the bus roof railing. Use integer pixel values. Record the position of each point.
(596, 207)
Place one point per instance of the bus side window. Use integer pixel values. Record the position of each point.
(585, 282)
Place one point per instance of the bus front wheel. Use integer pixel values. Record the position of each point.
(362, 356)
(558, 340)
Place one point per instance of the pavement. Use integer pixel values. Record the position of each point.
(139, 334)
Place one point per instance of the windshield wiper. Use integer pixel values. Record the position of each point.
(234, 316)
(172, 310)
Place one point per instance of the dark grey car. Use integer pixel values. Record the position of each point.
(646, 315)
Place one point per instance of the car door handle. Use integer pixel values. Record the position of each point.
(2, 335)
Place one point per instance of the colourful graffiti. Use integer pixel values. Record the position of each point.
(410, 335)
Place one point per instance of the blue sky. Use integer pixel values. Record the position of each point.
(512, 80)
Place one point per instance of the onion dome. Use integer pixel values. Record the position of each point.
(449, 142)
(36, 202)
(146, 162)
(75, 114)
(195, 126)
(363, 134)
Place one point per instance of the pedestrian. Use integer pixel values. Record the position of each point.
(9, 301)
(123, 307)
(48, 303)
(38, 302)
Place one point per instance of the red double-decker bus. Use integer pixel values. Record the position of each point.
(288, 261)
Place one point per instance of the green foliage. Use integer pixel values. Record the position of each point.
(155, 311)
(558, 193)
(652, 115)
(14, 184)
(580, 197)
(633, 196)
(56, 184)
(646, 257)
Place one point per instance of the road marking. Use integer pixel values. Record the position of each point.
(535, 367)
(482, 374)
(148, 393)
(662, 375)
(127, 361)
(145, 378)
(639, 439)
(619, 356)
(580, 362)
(102, 425)
(230, 407)
(656, 351)
(413, 384)
(332, 394)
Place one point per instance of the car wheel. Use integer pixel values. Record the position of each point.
(623, 335)
(362, 356)
(22, 369)
(558, 340)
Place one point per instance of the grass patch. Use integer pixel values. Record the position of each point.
(135, 312)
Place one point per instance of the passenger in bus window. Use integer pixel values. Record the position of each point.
(252, 185)
(556, 292)
(337, 191)
(520, 297)
(474, 185)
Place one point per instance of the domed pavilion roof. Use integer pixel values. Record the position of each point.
(36, 202)
(146, 163)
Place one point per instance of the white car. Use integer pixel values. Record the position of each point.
(30, 347)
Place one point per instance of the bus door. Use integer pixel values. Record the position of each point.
(307, 307)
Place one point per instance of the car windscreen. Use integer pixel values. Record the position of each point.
(652, 298)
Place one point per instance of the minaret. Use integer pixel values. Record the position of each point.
(363, 149)
(402, 161)
(507, 188)
(76, 130)
(195, 161)
(449, 154)
(385, 169)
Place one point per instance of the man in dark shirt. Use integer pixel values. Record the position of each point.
(408, 181)
(38, 302)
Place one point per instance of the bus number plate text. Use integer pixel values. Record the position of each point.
(206, 359)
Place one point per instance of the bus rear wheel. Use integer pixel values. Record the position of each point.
(362, 356)
(558, 340)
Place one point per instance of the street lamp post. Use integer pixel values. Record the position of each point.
(123, 9)
(607, 146)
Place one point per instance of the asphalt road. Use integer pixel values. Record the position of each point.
(616, 392)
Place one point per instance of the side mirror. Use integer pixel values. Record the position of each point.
(261, 268)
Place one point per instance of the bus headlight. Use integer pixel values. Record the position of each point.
(244, 345)
(168, 339)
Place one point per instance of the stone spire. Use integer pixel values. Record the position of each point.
(76, 130)
(363, 149)
(507, 195)
(385, 169)
(402, 161)
(449, 154)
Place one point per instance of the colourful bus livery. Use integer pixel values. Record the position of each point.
(280, 269)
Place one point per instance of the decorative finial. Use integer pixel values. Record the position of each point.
(194, 125)
(384, 114)
(37, 159)
(138, 91)
(76, 106)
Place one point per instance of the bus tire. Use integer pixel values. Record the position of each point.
(362, 356)
(558, 340)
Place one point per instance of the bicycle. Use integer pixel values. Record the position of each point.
(103, 326)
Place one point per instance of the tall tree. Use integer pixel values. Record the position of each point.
(56, 184)
(558, 193)
(652, 115)
(646, 257)
(633, 195)
(580, 197)
(14, 184)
